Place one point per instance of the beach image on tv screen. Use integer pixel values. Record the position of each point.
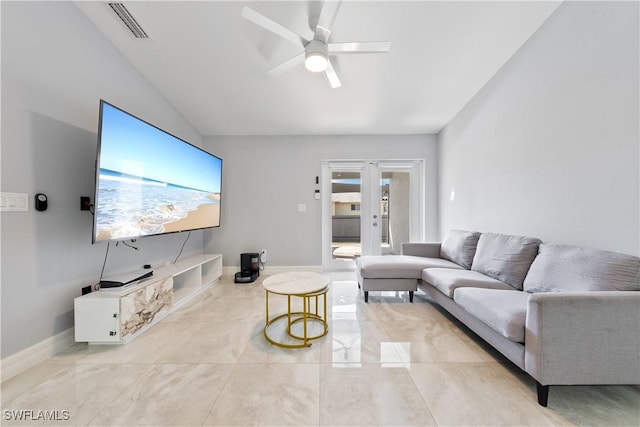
(150, 182)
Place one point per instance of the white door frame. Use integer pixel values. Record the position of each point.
(417, 193)
(370, 171)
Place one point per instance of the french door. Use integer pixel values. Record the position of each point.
(370, 207)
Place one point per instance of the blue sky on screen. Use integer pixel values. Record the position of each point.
(131, 146)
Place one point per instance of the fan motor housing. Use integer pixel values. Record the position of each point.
(316, 55)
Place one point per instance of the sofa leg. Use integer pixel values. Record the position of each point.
(543, 394)
(358, 285)
(410, 296)
(366, 296)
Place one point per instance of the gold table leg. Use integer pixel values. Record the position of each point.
(292, 317)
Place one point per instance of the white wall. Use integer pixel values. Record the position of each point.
(55, 68)
(549, 147)
(266, 177)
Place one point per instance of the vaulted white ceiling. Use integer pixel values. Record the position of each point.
(212, 64)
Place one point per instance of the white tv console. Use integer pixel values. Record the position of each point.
(116, 316)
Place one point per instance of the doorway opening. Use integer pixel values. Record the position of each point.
(370, 208)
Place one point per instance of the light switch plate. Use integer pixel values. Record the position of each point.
(17, 202)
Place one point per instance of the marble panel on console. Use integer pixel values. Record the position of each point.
(139, 308)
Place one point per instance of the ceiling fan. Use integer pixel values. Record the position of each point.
(316, 51)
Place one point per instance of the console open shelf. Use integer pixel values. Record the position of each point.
(117, 316)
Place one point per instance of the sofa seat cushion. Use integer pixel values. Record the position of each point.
(563, 268)
(398, 266)
(448, 280)
(504, 311)
(460, 247)
(505, 257)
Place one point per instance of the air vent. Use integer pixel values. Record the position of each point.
(127, 18)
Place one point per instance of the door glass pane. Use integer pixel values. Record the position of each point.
(394, 210)
(345, 215)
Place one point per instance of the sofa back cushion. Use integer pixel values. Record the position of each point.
(569, 268)
(505, 257)
(460, 247)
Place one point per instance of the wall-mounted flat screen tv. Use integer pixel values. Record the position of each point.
(149, 182)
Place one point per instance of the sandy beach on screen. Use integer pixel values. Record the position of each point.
(204, 216)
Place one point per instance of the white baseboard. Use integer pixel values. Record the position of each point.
(25, 359)
(268, 270)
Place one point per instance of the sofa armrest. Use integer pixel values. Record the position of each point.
(427, 250)
(576, 338)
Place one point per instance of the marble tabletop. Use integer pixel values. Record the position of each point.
(295, 283)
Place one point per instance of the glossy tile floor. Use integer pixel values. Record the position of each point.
(387, 362)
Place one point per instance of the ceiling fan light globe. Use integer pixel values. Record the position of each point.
(316, 62)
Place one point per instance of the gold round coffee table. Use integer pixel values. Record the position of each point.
(299, 284)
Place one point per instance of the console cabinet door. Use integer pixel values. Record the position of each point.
(97, 320)
(141, 308)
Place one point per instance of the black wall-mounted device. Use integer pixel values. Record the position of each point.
(85, 203)
(41, 202)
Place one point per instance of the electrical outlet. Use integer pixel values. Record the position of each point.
(263, 256)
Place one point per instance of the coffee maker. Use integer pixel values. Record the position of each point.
(249, 268)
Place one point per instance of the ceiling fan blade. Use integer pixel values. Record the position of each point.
(327, 18)
(359, 47)
(287, 65)
(270, 25)
(313, 11)
(332, 77)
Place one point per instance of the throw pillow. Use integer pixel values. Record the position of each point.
(460, 247)
(505, 257)
(570, 268)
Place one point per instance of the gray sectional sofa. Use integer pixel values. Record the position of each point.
(566, 315)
